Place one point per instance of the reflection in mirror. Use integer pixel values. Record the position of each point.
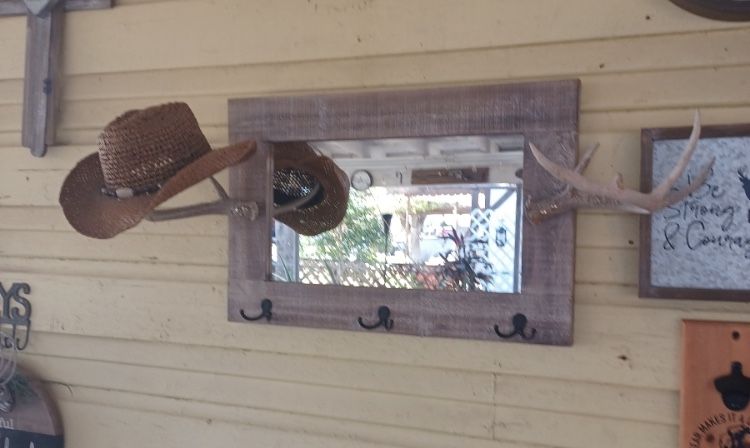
(438, 213)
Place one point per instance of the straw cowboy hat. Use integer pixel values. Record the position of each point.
(148, 156)
(299, 171)
(145, 157)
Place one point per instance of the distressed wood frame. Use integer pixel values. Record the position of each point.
(544, 112)
(645, 288)
(42, 79)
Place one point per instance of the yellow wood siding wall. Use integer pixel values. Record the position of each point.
(131, 333)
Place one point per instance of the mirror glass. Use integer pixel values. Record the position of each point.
(438, 213)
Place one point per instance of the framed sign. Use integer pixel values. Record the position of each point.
(730, 10)
(698, 248)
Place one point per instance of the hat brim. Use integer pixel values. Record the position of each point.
(330, 211)
(97, 215)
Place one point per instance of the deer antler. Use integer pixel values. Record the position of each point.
(584, 193)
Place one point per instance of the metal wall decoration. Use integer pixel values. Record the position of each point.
(729, 10)
(15, 321)
(698, 248)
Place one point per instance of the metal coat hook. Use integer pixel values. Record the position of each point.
(265, 311)
(384, 319)
(519, 328)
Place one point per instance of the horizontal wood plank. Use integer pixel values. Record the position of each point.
(343, 374)
(600, 93)
(513, 427)
(51, 219)
(619, 152)
(636, 119)
(595, 229)
(627, 295)
(89, 425)
(263, 420)
(47, 178)
(588, 399)
(172, 249)
(521, 391)
(448, 416)
(612, 56)
(717, 48)
(11, 139)
(601, 268)
(517, 391)
(69, 266)
(573, 431)
(326, 29)
(167, 259)
(617, 345)
(624, 122)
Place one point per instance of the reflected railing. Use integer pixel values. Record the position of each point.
(454, 237)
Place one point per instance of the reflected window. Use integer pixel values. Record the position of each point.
(444, 227)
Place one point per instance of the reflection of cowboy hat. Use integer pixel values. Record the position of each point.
(298, 169)
(145, 157)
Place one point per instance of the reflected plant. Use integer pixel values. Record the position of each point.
(358, 237)
(465, 267)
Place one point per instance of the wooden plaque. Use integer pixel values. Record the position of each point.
(709, 352)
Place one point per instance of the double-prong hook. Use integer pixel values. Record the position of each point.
(384, 319)
(519, 328)
(265, 311)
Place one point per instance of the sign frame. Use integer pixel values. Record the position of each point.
(646, 288)
(727, 10)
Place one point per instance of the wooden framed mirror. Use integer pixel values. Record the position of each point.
(439, 166)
